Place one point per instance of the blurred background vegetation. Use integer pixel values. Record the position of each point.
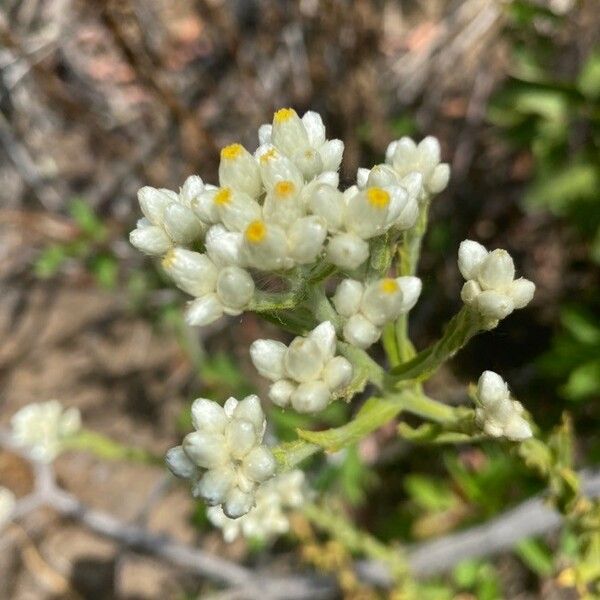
(100, 98)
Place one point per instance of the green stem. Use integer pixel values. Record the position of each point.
(461, 328)
(421, 405)
(354, 540)
(109, 449)
(410, 251)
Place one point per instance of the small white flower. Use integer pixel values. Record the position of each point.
(268, 519)
(224, 457)
(239, 170)
(491, 287)
(168, 218)
(305, 373)
(368, 308)
(365, 214)
(497, 413)
(269, 247)
(219, 290)
(303, 141)
(44, 427)
(7, 506)
(406, 157)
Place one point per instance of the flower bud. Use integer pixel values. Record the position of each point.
(347, 297)
(382, 301)
(239, 170)
(470, 256)
(181, 224)
(303, 360)
(309, 397)
(265, 246)
(192, 272)
(494, 304)
(236, 209)
(337, 373)
(224, 247)
(204, 311)
(496, 271)
(150, 239)
(347, 251)
(360, 332)
(235, 287)
(306, 238)
(281, 392)
(153, 203)
(328, 203)
(288, 133)
(267, 357)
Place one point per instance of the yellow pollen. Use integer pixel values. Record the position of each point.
(223, 196)
(389, 286)
(232, 151)
(268, 155)
(284, 188)
(377, 197)
(256, 232)
(169, 259)
(283, 114)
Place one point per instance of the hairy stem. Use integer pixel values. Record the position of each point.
(109, 449)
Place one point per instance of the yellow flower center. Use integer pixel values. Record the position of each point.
(169, 259)
(389, 286)
(223, 196)
(232, 151)
(283, 114)
(377, 197)
(283, 189)
(268, 155)
(256, 232)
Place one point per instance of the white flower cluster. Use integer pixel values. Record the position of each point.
(415, 166)
(369, 307)
(306, 372)
(268, 519)
(7, 506)
(224, 457)
(43, 428)
(497, 413)
(280, 208)
(491, 287)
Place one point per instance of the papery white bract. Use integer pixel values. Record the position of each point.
(43, 427)
(268, 519)
(224, 457)
(491, 287)
(497, 413)
(305, 373)
(367, 308)
(168, 218)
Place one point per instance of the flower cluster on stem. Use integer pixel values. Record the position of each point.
(277, 236)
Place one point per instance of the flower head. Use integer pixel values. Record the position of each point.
(43, 427)
(405, 156)
(224, 457)
(303, 141)
(268, 518)
(305, 373)
(168, 218)
(368, 308)
(491, 287)
(497, 413)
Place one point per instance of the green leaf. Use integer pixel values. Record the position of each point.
(589, 77)
(373, 414)
(88, 222)
(536, 556)
(50, 261)
(430, 494)
(584, 381)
